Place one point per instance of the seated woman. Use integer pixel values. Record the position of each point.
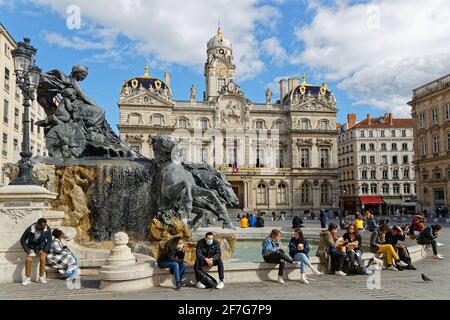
(330, 251)
(371, 224)
(353, 244)
(61, 258)
(274, 252)
(298, 250)
(172, 257)
(417, 225)
(378, 245)
(359, 222)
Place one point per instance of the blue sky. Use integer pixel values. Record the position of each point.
(371, 53)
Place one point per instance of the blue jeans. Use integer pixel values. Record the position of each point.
(176, 268)
(304, 261)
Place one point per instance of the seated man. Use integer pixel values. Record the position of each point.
(208, 254)
(36, 240)
(429, 236)
(395, 235)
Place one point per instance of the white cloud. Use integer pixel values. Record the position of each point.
(380, 50)
(272, 48)
(172, 31)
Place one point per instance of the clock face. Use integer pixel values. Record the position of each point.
(221, 69)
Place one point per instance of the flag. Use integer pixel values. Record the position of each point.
(218, 28)
(235, 168)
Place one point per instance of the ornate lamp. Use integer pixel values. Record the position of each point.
(27, 79)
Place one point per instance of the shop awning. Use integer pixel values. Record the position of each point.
(371, 200)
(400, 202)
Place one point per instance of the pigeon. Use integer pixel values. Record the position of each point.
(425, 278)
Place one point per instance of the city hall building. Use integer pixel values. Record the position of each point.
(278, 155)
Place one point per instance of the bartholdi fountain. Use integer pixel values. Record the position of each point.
(104, 187)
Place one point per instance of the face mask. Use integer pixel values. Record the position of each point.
(180, 247)
(209, 242)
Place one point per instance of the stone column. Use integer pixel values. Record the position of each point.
(20, 207)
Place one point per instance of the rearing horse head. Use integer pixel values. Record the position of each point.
(163, 148)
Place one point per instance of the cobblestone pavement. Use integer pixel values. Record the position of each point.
(393, 286)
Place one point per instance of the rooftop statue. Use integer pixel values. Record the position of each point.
(75, 126)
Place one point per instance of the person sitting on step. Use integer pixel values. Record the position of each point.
(208, 253)
(172, 257)
(274, 252)
(428, 236)
(353, 245)
(393, 236)
(298, 250)
(61, 258)
(36, 240)
(378, 245)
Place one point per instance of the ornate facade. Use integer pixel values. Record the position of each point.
(11, 110)
(279, 156)
(431, 113)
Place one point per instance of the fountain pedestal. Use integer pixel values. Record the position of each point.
(122, 271)
(20, 207)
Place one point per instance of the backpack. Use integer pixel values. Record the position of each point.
(207, 280)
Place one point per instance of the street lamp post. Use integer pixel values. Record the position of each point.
(27, 79)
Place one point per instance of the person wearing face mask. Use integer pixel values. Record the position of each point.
(172, 257)
(208, 254)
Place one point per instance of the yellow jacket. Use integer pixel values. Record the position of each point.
(359, 224)
(244, 223)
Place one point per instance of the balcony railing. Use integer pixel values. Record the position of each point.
(431, 87)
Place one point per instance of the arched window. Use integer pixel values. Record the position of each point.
(325, 193)
(203, 124)
(134, 119)
(365, 188)
(306, 193)
(323, 125)
(304, 124)
(282, 193)
(279, 124)
(261, 194)
(182, 123)
(157, 120)
(259, 124)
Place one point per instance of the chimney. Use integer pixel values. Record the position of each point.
(290, 84)
(351, 120)
(282, 89)
(167, 74)
(391, 120)
(295, 82)
(369, 119)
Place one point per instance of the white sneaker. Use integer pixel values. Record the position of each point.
(340, 273)
(316, 272)
(439, 244)
(27, 281)
(303, 278)
(392, 268)
(438, 257)
(41, 280)
(402, 264)
(220, 285)
(280, 280)
(200, 285)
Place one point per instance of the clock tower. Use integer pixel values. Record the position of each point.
(219, 67)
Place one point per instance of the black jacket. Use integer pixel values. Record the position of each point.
(259, 222)
(43, 243)
(171, 254)
(346, 236)
(204, 251)
(293, 247)
(390, 239)
(426, 235)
